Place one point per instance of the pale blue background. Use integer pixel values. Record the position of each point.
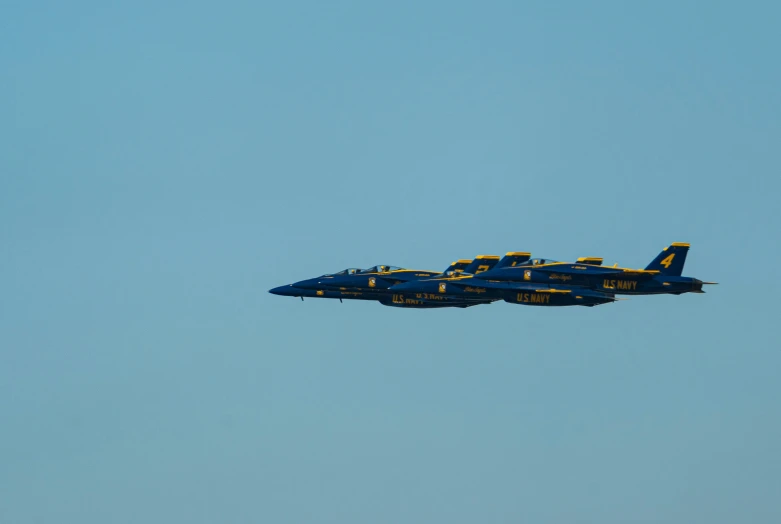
(163, 165)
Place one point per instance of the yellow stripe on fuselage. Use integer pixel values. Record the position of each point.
(649, 271)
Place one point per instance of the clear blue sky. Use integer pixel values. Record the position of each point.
(162, 165)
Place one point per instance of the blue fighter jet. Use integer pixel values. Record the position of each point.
(426, 289)
(373, 284)
(475, 287)
(588, 278)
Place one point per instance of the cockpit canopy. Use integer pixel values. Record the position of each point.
(349, 271)
(380, 269)
(536, 262)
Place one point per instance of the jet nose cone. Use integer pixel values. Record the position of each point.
(284, 291)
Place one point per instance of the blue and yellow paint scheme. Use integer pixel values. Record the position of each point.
(470, 287)
(661, 276)
(374, 284)
(459, 265)
(373, 279)
(481, 263)
(516, 278)
(530, 294)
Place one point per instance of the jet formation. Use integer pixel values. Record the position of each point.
(516, 278)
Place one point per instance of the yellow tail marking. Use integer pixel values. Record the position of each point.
(667, 261)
